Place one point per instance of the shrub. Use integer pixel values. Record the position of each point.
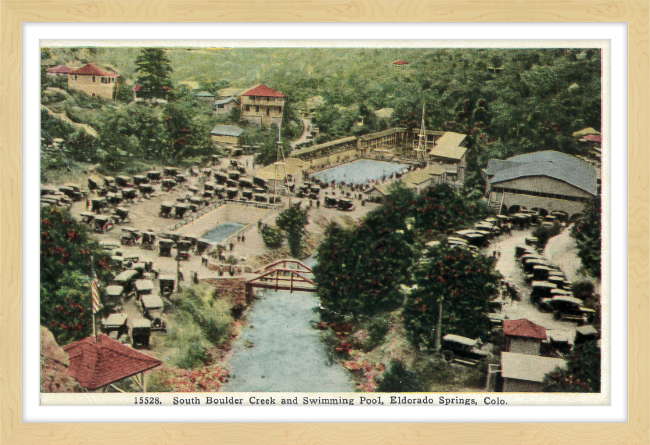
(195, 356)
(399, 379)
(377, 328)
(272, 236)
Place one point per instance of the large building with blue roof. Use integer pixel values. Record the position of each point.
(547, 180)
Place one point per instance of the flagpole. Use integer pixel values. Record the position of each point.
(93, 296)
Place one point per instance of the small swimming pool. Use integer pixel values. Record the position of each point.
(360, 172)
(222, 231)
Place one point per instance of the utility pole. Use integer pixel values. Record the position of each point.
(178, 272)
(423, 134)
(438, 342)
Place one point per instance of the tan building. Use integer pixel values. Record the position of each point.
(449, 152)
(526, 372)
(225, 106)
(93, 81)
(277, 174)
(226, 134)
(523, 336)
(263, 106)
(547, 180)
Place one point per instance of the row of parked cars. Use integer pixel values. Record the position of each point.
(63, 195)
(551, 291)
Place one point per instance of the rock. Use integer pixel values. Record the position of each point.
(54, 362)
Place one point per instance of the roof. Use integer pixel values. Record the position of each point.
(381, 134)
(552, 164)
(137, 88)
(458, 339)
(204, 94)
(448, 152)
(524, 328)
(92, 70)
(263, 90)
(292, 166)
(59, 69)
(585, 131)
(451, 139)
(384, 113)
(435, 169)
(152, 301)
(587, 330)
(592, 138)
(417, 177)
(324, 145)
(227, 130)
(94, 365)
(531, 368)
(400, 62)
(225, 101)
(382, 188)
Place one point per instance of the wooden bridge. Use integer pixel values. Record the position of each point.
(286, 274)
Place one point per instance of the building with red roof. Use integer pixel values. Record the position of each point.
(262, 105)
(59, 70)
(400, 63)
(523, 336)
(94, 81)
(97, 365)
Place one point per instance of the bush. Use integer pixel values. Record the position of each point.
(195, 356)
(399, 379)
(377, 329)
(272, 236)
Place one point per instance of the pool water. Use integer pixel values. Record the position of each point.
(360, 172)
(222, 231)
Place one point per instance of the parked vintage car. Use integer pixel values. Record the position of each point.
(167, 285)
(152, 308)
(115, 325)
(456, 348)
(140, 332)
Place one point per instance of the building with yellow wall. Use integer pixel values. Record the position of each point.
(262, 105)
(93, 81)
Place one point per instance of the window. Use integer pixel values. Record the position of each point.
(220, 105)
(93, 78)
(257, 109)
(248, 108)
(75, 77)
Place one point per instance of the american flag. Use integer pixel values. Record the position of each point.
(95, 293)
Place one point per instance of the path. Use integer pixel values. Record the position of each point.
(511, 270)
(562, 250)
(87, 128)
(306, 123)
(280, 351)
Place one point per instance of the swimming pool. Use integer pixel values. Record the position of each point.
(359, 172)
(222, 231)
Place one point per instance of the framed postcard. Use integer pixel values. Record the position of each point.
(309, 222)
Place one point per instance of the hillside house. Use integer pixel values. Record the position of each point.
(205, 96)
(225, 106)
(226, 134)
(547, 180)
(262, 105)
(523, 336)
(59, 70)
(93, 81)
(400, 64)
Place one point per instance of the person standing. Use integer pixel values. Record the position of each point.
(243, 238)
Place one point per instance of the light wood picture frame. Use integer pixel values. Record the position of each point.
(14, 13)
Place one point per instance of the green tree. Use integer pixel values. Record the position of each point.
(293, 221)
(588, 235)
(360, 269)
(272, 236)
(153, 71)
(459, 280)
(66, 252)
(582, 373)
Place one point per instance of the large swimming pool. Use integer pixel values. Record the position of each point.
(359, 172)
(222, 231)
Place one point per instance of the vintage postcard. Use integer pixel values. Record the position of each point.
(233, 224)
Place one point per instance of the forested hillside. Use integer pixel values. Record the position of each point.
(509, 101)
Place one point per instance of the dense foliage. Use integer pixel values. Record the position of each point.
(360, 269)
(293, 221)
(66, 252)
(463, 282)
(588, 235)
(582, 373)
(439, 208)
